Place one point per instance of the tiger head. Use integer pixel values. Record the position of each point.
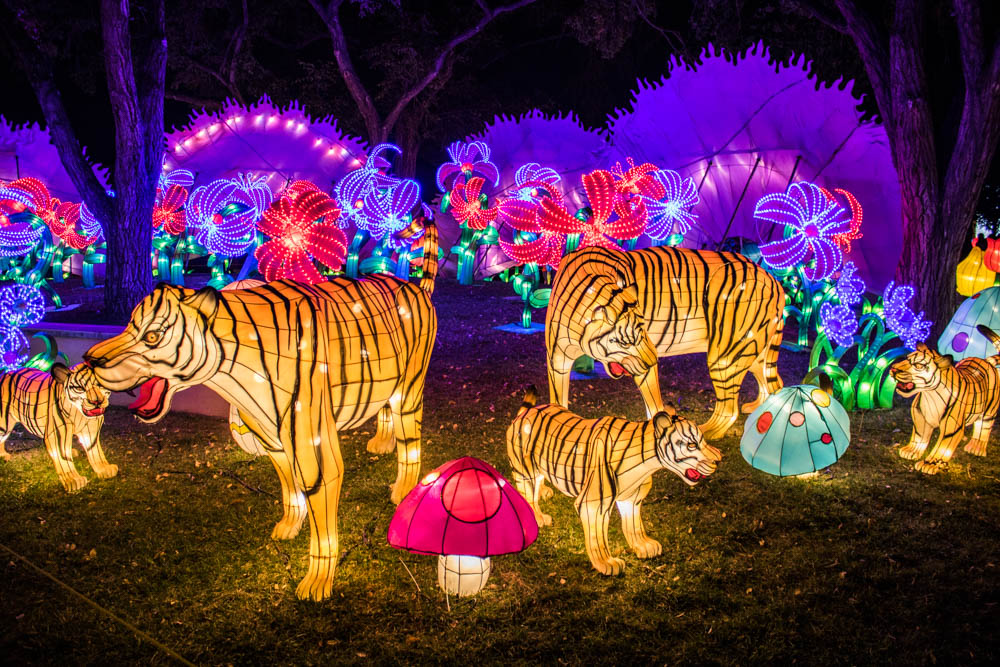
(616, 335)
(81, 391)
(918, 371)
(681, 448)
(167, 346)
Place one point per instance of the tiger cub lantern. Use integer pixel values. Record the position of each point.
(299, 362)
(626, 309)
(464, 512)
(603, 463)
(57, 406)
(948, 397)
(798, 430)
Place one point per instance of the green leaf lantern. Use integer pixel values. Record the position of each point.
(796, 431)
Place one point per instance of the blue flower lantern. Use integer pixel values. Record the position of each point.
(796, 431)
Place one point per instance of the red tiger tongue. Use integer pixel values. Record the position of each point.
(149, 394)
(617, 369)
(692, 474)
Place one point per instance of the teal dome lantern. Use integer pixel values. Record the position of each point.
(796, 431)
(960, 338)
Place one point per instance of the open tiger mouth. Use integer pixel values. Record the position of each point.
(616, 370)
(94, 412)
(152, 394)
(905, 386)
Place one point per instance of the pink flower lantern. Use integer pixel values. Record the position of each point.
(464, 512)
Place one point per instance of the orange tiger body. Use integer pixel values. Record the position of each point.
(299, 362)
(949, 397)
(626, 309)
(603, 463)
(55, 407)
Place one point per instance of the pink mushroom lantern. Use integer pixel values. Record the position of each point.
(464, 512)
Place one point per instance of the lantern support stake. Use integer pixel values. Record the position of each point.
(739, 201)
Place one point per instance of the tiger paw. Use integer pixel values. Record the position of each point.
(611, 567)
(647, 548)
(545, 492)
(73, 483)
(931, 467)
(543, 519)
(976, 447)
(106, 472)
(288, 527)
(379, 444)
(911, 452)
(399, 491)
(318, 582)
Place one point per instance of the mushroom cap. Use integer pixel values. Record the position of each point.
(464, 507)
(797, 430)
(960, 338)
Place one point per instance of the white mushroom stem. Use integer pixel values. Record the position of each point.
(463, 575)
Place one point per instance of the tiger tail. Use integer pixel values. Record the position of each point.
(994, 338)
(530, 398)
(430, 261)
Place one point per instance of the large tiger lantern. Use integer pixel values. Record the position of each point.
(56, 406)
(626, 309)
(603, 463)
(299, 362)
(949, 397)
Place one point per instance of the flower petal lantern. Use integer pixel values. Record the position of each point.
(960, 338)
(972, 274)
(464, 512)
(797, 430)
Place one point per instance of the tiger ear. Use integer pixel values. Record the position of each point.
(600, 314)
(205, 301)
(922, 348)
(662, 421)
(670, 409)
(944, 361)
(60, 373)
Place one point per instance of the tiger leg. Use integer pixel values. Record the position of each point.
(90, 440)
(980, 436)
(319, 471)
(727, 376)
(4, 454)
(949, 437)
(383, 441)
(919, 439)
(642, 544)
(59, 445)
(595, 538)
(649, 387)
(293, 501)
(559, 367)
(407, 417)
(526, 481)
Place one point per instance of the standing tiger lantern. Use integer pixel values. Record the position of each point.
(603, 463)
(627, 309)
(57, 406)
(949, 397)
(300, 362)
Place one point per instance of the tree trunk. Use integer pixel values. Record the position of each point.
(128, 272)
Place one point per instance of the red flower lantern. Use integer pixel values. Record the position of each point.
(466, 206)
(301, 230)
(599, 229)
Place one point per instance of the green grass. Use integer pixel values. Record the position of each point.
(871, 562)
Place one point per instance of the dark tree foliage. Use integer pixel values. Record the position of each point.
(134, 51)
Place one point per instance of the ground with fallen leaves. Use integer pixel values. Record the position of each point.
(869, 562)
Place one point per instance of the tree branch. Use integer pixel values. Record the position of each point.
(818, 13)
(330, 15)
(969, 21)
(120, 72)
(203, 102)
(873, 48)
(435, 69)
